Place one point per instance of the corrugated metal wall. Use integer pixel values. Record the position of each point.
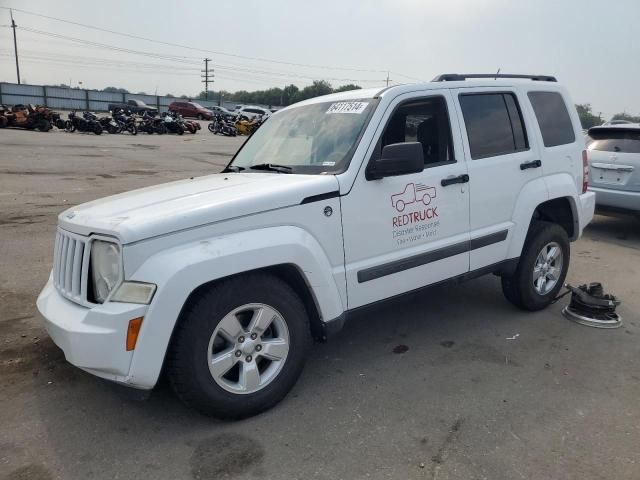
(79, 99)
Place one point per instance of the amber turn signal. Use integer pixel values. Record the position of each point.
(132, 332)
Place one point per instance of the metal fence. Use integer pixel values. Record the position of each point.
(80, 99)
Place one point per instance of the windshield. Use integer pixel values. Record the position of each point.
(311, 139)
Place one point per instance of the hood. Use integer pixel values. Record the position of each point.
(175, 206)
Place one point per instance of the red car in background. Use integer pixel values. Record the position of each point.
(191, 109)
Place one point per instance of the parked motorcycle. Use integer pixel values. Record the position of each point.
(244, 126)
(87, 123)
(191, 126)
(151, 124)
(126, 122)
(172, 123)
(110, 125)
(221, 126)
(30, 117)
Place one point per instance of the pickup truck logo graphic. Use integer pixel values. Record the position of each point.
(413, 193)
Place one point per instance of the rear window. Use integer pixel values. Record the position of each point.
(494, 124)
(553, 118)
(623, 141)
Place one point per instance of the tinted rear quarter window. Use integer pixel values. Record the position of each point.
(553, 118)
(494, 124)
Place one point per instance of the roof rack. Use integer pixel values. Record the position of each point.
(453, 77)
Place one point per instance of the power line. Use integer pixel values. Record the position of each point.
(215, 52)
(184, 60)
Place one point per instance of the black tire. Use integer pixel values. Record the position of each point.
(519, 288)
(112, 130)
(210, 127)
(43, 126)
(188, 370)
(97, 129)
(132, 129)
(69, 126)
(161, 129)
(180, 130)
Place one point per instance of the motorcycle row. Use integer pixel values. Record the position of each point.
(29, 117)
(231, 125)
(43, 119)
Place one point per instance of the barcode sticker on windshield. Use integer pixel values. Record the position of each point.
(347, 107)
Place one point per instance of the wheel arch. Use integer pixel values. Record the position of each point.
(561, 211)
(289, 253)
(550, 199)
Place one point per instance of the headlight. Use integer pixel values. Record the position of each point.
(105, 268)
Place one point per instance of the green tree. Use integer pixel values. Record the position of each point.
(316, 89)
(347, 87)
(288, 94)
(115, 90)
(627, 117)
(587, 118)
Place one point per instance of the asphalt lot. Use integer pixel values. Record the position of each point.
(482, 390)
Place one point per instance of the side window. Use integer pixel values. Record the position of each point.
(425, 121)
(553, 118)
(494, 124)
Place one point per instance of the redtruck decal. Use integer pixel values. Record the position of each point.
(420, 223)
(412, 193)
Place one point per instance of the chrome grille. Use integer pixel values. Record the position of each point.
(70, 262)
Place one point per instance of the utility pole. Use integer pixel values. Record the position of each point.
(15, 45)
(207, 77)
(388, 79)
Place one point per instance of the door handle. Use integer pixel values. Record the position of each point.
(533, 164)
(464, 178)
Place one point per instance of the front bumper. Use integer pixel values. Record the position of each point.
(616, 200)
(93, 339)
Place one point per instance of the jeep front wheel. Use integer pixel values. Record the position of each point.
(240, 346)
(542, 268)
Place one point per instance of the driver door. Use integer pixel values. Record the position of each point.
(408, 231)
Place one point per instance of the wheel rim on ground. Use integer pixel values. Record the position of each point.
(547, 268)
(248, 348)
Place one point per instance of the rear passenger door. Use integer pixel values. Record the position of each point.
(502, 159)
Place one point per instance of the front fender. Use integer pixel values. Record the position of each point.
(178, 271)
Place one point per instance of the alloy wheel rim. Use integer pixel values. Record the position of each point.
(547, 268)
(248, 348)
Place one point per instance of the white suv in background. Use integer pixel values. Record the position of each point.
(614, 160)
(334, 204)
(251, 112)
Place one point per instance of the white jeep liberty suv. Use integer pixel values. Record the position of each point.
(335, 203)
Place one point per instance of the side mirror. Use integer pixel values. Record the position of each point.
(397, 159)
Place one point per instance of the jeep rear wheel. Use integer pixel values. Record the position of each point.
(542, 268)
(240, 346)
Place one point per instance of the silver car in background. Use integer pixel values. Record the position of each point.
(614, 163)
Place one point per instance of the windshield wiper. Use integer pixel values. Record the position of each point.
(233, 168)
(272, 167)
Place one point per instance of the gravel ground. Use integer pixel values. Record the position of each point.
(480, 390)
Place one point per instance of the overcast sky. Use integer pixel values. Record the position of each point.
(592, 46)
